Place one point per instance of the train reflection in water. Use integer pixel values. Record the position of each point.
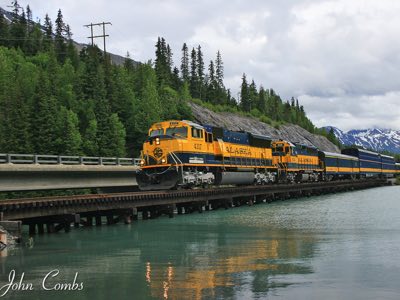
(167, 260)
(217, 271)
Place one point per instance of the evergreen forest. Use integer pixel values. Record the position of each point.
(55, 99)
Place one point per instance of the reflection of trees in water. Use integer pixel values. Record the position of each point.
(173, 262)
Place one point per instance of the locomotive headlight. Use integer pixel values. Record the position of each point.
(142, 162)
(163, 161)
(157, 141)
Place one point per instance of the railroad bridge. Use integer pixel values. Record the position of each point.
(53, 214)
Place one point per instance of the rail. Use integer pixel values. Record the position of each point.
(66, 160)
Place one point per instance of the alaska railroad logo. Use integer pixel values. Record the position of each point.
(158, 152)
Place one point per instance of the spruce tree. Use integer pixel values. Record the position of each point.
(90, 146)
(29, 42)
(29, 17)
(169, 60)
(212, 85)
(193, 75)
(262, 100)
(59, 39)
(14, 96)
(71, 142)
(200, 71)
(65, 92)
(36, 40)
(230, 101)
(17, 27)
(91, 78)
(185, 63)
(45, 117)
(103, 113)
(148, 108)
(48, 33)
(163, 62)
(72, 53)
(253, 95)
(116, 138)
(219, 70)
(245, 95)
(175, 80)
(211, 71)
(128, 63)
(287, 112)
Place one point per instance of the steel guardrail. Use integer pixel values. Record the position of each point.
(66, 160)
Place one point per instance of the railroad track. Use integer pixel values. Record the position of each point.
(60, 212)
(176, 194)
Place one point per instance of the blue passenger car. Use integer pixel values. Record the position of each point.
(338, 165)
(388, 166)
(373, 164)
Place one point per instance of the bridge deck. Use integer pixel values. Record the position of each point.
(27, 172)
(23, 209)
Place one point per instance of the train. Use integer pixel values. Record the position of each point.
(184, 154)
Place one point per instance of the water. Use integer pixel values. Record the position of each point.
(341, 246)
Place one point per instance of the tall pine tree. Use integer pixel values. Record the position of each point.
(59, 39)
(185, 63)
(200, 72)
(194, 78)
(245, 103)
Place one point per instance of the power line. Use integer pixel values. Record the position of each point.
(104, 35)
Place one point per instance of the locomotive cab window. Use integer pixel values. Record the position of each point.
(197, 133)
(209, 137)
(179, 132)
(156, 132)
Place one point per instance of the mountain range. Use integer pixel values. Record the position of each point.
(375, 139)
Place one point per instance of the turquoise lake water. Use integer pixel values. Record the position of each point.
(339, 246)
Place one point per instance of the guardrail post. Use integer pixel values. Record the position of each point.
(8, 158)
(35, 159)
(59, 159)
(80, 160)
(118, 161)
(100, 160)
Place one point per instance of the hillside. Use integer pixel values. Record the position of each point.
(115, 59)
(289, 132)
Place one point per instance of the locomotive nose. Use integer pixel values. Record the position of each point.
(163, 180)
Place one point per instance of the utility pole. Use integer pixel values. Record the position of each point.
(15, 6)
(104, 35)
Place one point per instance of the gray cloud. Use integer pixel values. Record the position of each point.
(340, 58)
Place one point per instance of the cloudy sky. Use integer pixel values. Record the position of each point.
(340, 58)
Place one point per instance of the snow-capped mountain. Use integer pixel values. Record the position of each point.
(376, 139)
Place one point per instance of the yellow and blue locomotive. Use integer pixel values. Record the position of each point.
(296, 162)
(186, 154)
(183, 153)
